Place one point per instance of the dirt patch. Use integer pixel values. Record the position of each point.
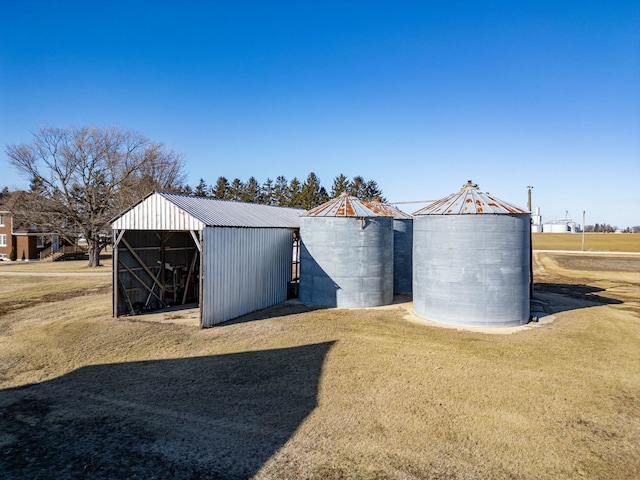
(13, 305)
(593, 263)
(598, 279)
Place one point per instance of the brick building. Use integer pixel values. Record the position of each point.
(28, 242)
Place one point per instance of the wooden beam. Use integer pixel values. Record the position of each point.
(118, 238)
(186, 286)
(132, 311)
(116, 278)
(139, 260)
(155, 282)
(149, 289)
(196, 240)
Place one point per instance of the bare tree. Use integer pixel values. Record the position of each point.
(81, 178)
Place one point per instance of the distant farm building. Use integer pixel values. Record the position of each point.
(560, 226)
(554, 226)
(229, 258)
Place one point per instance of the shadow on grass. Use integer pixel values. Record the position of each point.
(290, 307)
(579, 296)
(205, 417)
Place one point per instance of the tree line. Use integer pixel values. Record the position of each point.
(81, 178)
(606, 228)
(284, 193)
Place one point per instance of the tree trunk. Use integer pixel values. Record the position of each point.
(94, 252)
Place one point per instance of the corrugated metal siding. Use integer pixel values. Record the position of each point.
(157, 213)
(346, 262)
(244, 269)
(472, 269)
(402, 255)
(168, 211)
(222, 213)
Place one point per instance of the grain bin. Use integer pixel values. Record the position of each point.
(346, 259)
(402, 245)
(472, 260)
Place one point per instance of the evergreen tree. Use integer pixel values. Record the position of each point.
(221, 189)
(294, 191)
(250, 191)
(201, 189)
(235, 190)
(266, 192)
(281, 192)
(312, 193)
(357, 187)
(372, 191)
(340, 184)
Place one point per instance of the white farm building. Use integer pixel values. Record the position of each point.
(229, 258)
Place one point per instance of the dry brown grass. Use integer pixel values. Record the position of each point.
(600, 242)
(68, 266)
(298, 393)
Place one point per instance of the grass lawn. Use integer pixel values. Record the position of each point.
(293, 392)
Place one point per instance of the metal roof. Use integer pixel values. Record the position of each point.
(470, 200)
(223, 213)
(343, 205)
(388, 210)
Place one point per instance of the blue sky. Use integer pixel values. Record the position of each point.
(419, 96)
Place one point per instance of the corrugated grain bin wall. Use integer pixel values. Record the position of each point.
(472, 261)
(346, 259)
(402, 255)
(402, 245)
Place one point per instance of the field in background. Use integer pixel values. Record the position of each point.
(292, 392)
(604, 242)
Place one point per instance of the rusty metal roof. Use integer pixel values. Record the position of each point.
(387, 210)
(470, 200)
(343, 205)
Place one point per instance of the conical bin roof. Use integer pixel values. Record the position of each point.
(470, 200)
(388, 210)
(344, 205)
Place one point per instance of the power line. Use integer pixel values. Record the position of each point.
(413, 201)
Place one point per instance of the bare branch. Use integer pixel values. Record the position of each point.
(87, 175)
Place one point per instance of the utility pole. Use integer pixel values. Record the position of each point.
(529, 187)
(583, 213)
